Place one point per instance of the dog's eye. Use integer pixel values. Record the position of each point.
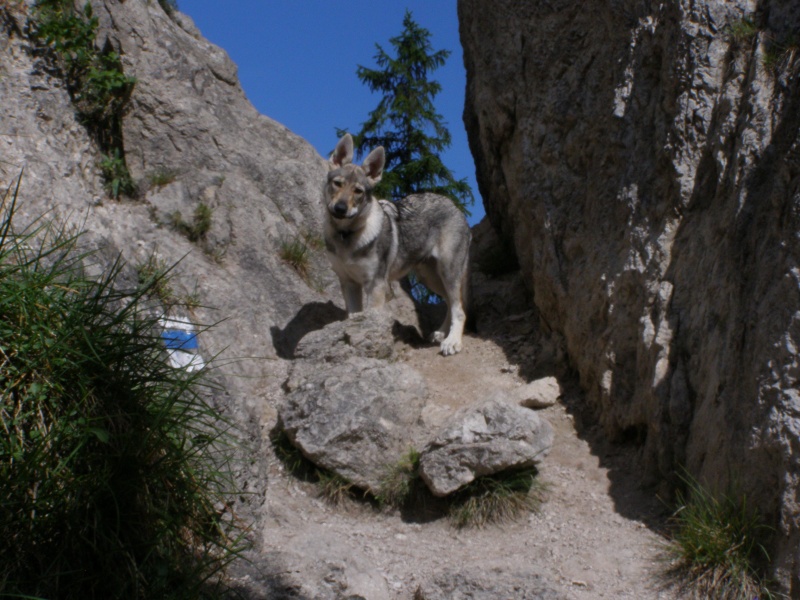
(337, 183)
(359, 191)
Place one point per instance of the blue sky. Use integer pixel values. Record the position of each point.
(297, 62)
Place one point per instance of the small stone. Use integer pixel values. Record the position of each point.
(541, 393)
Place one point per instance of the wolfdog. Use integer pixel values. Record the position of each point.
(373, 242)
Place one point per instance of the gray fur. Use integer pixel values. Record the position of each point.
(371, 242)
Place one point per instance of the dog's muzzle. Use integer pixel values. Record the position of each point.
(339, 209)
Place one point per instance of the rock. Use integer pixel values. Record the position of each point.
(367, 334)
(486, 585)
(642, 162)
(348, 408)
(354, 417)
(541, 393)
(483, 440)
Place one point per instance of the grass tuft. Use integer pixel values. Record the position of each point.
(335, 489)
(161, 177)
(400, 486)
(500, 498)
(742, 30)
(297, 253)
(114, 465)
(781, 54)
(716, 549)
(200, 225)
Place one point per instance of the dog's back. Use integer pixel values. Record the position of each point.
(430, 227)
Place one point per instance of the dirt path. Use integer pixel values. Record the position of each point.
(588, 541)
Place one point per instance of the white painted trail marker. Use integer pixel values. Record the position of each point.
(180, 339)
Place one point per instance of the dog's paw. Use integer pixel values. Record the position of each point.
(437, 336)
(450, 347)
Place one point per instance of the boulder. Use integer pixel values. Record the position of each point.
(483, 440)
(367, 334)
(354, 417)
(348, 407)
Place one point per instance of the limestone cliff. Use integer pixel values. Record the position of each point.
(190, 137)
(644, 159)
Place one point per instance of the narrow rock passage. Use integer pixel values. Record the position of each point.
(593, 538)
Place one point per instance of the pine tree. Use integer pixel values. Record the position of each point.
(405, 121)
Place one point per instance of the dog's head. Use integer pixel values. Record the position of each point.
(349, 186)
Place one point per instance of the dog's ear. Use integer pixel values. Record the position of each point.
(373, 165)
(343, 153)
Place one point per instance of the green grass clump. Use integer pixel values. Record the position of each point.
(161, 177)
(401, 483)
(335, 489)
(198, 228)
(781, 54)
(113, 465)
(500, 498)
(742, 30)
(716, 549)
(297, 253)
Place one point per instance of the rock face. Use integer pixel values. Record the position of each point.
(643, 159)
(483, 440)
(190, 136)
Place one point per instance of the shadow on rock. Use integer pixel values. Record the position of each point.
(505, 313)
(311, 317)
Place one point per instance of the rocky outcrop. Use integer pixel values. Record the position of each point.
(352, 409)
(190, 137)
(643, 160)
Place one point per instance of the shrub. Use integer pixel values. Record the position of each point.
(113, 464)
(94, 78)
(116, 176)
(715, 551)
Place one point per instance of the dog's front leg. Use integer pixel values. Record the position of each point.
(353, 296)
(376, 294)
